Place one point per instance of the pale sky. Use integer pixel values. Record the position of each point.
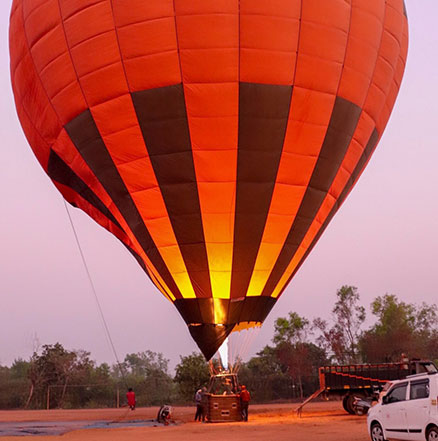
(383, 240)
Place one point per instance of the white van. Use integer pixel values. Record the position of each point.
(408, 411)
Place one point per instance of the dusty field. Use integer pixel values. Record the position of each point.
(320, 421)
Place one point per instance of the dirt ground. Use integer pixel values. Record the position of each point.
(275, 422)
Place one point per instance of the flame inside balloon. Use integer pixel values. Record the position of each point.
(223, 352)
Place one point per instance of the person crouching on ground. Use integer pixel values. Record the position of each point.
(245, 398)
(130, 396)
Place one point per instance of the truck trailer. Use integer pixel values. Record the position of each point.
(349, 382)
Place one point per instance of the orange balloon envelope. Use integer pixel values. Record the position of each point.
(215, 139)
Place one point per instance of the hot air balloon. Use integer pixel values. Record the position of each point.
(215, 139)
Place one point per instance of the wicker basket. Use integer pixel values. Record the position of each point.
(223, 408)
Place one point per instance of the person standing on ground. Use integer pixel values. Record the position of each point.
(245, 398)
(204, 404)
(130, 396)
(198, 402)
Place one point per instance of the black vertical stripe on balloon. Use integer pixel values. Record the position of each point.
(163, 120)
(263, 117)
(60, 172)
(86, 137)
(371, 145)
(343, 123)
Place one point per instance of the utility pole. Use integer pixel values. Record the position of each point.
(48, 397)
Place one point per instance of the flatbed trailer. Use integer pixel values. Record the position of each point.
(349, 382)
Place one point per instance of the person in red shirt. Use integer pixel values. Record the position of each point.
(245, 398)
(130, 396)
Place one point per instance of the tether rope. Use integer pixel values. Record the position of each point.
(96, 298)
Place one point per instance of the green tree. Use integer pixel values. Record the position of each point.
(400, 328)
(297, 354)
(192, 372)
(292, 330)
(264, 376)
(14, 385)
(341, 339)
(53, 367)
(147, 373)
(52, 371)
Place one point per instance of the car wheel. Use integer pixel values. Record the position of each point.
(377, 432)
(432, 434)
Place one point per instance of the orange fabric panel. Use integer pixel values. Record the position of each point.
(35, 102)
(120, 130)
(151, 71)
(386, 62)
(22, 82)
(52, 60)
(389, 105)
(39, 16)
(217, 30)
(214, 139)
(48, 46)
(101, 76)
(105, 53)
(395, 86)
(207, 161)
(115, 142)
(196, 7)
(148, 37)
(70, 8)
(29, 5)
(203, 67)
(322, 47)
(148, 45)
(139, 176)
(104, 84)
(34, 138)
(363, 46)
(128, 12)
(208, 44)
(29, 91)
(85, 24)
(69, 102)
(218, 197)
(269, 34)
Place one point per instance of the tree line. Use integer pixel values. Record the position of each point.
(286, 369)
